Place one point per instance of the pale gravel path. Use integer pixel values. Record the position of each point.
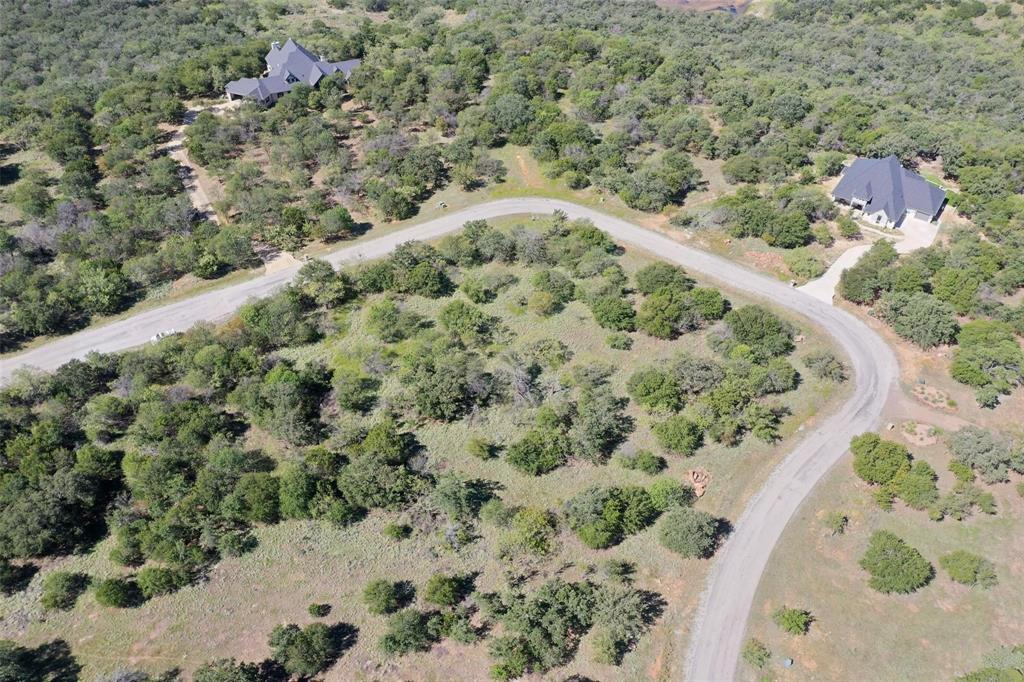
(914, 234)
(719, 629)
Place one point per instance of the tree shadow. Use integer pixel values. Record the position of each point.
(53, 662)
(16, 578)
(9, 174)
(405, 592)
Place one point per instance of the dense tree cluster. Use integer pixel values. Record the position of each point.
(890, 466)
(543, 628)
(924, 295)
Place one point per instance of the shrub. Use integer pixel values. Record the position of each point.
(679, 435)
(803, 263)
(619, 571)
(894, 565)
(496, 513)
(825, 365)
(612, 312)
(481, 448)
(655, 389)
(917, 486)
(319, 610)
(848, 227)
(619, 341)
(382, 596)
(793, 621)
(118, 593)
(919, 317)
(554, 283)
(443, 590)
(961, 471)
(539, 451)
(408, 631)
(756, 654)
(761, 329)
(878, 461)
(467, 322)
(667, 492)
(155, 581)
(62, 588)
(688, 532)
(645, 461)
(542, 303)
(307, 651)
(836, 521)
(661, 275)
(988, 453)
(969, 569)
(602, 517)
(397, 531)
(534, 530)
(661, 314)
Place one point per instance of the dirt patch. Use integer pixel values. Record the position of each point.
(185, 282)
(531, 175)
(919, 434)
(281, 261)
(933, 397)
(769, 262)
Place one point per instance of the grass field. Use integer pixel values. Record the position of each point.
(297, 563)
(944, 629)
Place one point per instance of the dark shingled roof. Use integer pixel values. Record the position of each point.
(885, 185)
(291, 60)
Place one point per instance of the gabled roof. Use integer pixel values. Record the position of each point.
(291, 60)
(885, 185)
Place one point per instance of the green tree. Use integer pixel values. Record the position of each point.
(679, 435)
(793, 621)
(688, 532)
(408, 631)
(382, 596)
(894, 565)
(306, 651)
(878, 461)
(61, 590)
(969, 569)
(443, 590)
(118, 593)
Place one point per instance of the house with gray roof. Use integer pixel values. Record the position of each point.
(886, 192)
(287, 66)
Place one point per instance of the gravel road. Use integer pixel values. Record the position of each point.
(719, 628)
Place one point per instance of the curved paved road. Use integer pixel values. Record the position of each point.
(719, 629)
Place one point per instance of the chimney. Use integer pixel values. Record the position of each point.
(275, 45)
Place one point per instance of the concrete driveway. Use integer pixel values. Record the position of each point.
(914, 234)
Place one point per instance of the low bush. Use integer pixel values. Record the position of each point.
(688, 532)
(894, 565)
(969, 569)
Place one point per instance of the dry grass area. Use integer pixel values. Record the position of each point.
(943, 629)
(298, 563)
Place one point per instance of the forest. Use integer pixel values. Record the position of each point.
(104, 222)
